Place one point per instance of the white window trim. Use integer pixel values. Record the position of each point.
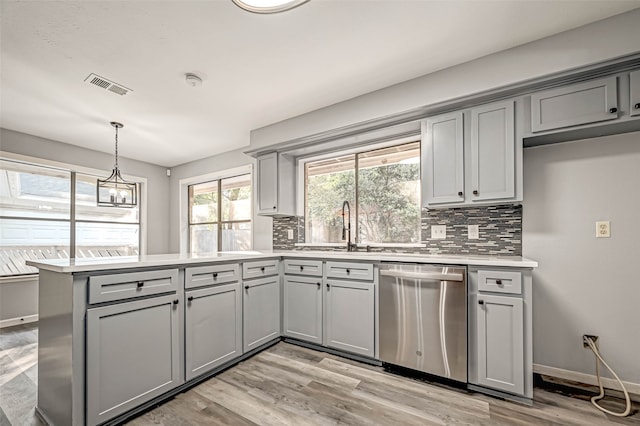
(69, 167)
(183, 203)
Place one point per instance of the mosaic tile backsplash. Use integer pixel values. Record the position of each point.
(500, 232)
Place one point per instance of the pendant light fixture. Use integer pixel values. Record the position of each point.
(114, 191)
(268, 6)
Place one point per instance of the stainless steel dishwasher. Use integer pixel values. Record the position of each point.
(423, 318)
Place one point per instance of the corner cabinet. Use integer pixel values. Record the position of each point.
(472, 157)
(500, 331)
(276, 185)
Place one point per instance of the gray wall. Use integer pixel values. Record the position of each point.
(599, 41)
(157, 181)
(219, 163)
(584, 285)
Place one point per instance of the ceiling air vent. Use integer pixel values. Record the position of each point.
(104, 83)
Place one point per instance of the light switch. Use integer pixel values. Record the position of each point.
(603, 229)
(438, 232)
(290, 234)
(473, 232)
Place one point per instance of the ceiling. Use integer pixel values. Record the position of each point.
(257, 69)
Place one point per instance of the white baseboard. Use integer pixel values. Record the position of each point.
(589, 379)
(17, 321)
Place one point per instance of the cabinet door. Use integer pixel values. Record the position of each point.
(500, 343)
(493, 152)
(350, 316)
(213, 327)
(261, 312)
(302, 311)
(581, 103)
(635, 92)
(443, 159)
(132, 355)
(268, 184)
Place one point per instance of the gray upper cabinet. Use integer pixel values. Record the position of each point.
(350, 316)
(576, 104)
(261, 311)
(276, 185)
(500, 348)
(213, 327)
(492, 152)
(132, 355)
(302, 310)
(443, 159)
(634, 79)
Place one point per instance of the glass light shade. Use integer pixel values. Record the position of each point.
(116, 192)
(268, 6)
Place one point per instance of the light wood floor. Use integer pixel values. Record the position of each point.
(290, 385)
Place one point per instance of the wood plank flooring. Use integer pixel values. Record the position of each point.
(291, 385)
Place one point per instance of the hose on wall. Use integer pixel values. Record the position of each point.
(595, 399)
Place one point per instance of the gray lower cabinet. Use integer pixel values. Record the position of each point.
(500, 334)
(261, 311)
(302, 310)
(575, 104)
(213, 327)
(350, 316)
(132, 354)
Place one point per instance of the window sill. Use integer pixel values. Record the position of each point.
(390, 245)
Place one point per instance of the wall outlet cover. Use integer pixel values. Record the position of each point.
(473, 232)
(603, 229)
(438, 232)
(290, 234)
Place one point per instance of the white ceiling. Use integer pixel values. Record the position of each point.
(257, 69)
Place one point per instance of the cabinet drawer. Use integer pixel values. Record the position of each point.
(356, 271)
(209, 275)
(107, 288)
(500, 281)
(263, 268)
(303, 267)
(581, 103)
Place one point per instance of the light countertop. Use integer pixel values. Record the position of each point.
(165, 260)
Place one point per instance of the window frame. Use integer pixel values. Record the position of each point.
(301, 191)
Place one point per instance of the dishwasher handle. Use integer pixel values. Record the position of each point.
(424, 275)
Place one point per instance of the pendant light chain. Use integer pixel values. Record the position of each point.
(116, 166)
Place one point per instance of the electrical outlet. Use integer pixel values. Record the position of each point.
(603, 229)
(593, 338)
(290, 234)
(473, 232)
(438, 232)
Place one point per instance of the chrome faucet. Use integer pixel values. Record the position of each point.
(346, 230)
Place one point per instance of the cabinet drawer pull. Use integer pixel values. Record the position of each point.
(613, 110)
(636, 106)
(480, 302)
(319, 285)
(246, 287)
(140, 284)
(301, 268)
(215, 275)
(274, 207)
(176, 301)
(475, 192)
(190, 298)
(499, 282)
(328, 286)
(460, 193)
(262, 269)
(348, 271)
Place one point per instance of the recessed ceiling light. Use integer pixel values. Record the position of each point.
(268, 6)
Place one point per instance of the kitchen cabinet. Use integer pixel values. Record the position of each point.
(213, 327)
(581, 103)
(443, 159)
(132, 354)
(261, 311)
(500, 331)
(276, 185)
(634, 104)
(471, 157)
(350, 309)
(302, 310)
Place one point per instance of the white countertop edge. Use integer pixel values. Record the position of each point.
(114, 263)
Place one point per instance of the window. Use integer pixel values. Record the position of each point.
(382, 187)
(37, 218)
(220, 215)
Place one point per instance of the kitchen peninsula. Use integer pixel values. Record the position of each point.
(120, 334)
